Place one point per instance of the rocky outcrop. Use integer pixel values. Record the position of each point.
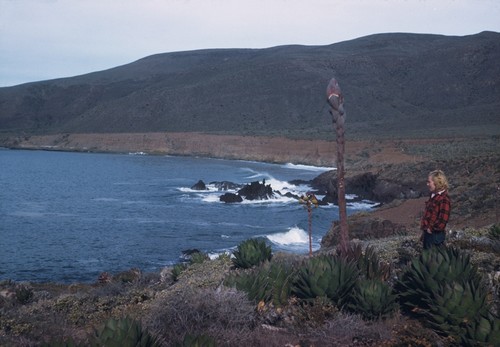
(256, 191)
(252, 191)
(368, 186)
(230, 198)
(200, 185)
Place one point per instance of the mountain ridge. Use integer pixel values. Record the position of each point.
(395, 85)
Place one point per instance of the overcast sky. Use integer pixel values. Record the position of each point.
(45, 39)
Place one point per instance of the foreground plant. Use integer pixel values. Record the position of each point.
(372, 299)
(326, 276)
(445, 290)
(484, 331)
(251, 252)
(368, 262)
(272, 282)
(123, 332)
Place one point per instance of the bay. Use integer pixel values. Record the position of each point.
(67, 217)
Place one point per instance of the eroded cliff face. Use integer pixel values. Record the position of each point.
(361, 156)
(268, 149)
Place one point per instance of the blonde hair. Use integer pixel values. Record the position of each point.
(439, 179)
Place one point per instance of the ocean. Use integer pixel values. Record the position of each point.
(67, 217)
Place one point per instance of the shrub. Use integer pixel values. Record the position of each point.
(177, 270)
(223, 314)
(251, 252)
(24, 294)
(495, 232)
(198, 258)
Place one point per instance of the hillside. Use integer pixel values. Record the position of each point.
(395, 86)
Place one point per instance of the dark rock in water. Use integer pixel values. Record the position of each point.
(230, 198)
(226, 185)
(200, 185)
(256, 191)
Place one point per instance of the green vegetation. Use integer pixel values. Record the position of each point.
(251, 252)
(123, 332)
(330, 298)
(444, 289)
(326, 276)
(271, 282)
(373, 299)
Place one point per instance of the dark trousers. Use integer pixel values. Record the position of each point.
(435, 239)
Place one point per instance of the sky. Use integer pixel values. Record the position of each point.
(46, 39)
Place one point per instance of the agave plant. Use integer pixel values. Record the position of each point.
(372, 299)
(251, 252)
(484, 331)
(271, 282)
(425, 275)
(122, 333)
(368, 262)
(454, 306)
(325, 276)
(445, 289)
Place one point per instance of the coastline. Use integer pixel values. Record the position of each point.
(233, 147)
(472, 163)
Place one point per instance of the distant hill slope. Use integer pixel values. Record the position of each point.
(397, 85)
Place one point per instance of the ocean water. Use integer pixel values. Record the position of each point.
(67, 217)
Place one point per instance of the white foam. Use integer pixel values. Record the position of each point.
(210, 198)
(294, 236)
(362, 205)
(210, 189)
(308, 167)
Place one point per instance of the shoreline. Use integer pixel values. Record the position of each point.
(232, 147)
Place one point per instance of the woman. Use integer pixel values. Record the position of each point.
(437, 210)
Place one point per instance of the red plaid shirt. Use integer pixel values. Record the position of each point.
(437, 212)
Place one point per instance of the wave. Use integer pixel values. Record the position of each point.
(362, 205)
(308, 167)
(294, 236)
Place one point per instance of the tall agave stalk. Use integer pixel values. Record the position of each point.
(336, 100)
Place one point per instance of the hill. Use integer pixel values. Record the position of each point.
(395, 85)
